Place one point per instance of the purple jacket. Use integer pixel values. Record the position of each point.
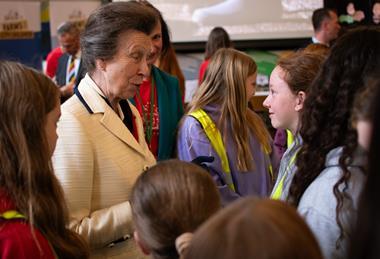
(280, 142)
(193, 142)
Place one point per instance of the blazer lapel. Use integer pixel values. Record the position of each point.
(80, 74)
(110, 120)
(115, 125)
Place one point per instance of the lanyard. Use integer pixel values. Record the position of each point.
(278, 191)
(148, 124)
(12, 214)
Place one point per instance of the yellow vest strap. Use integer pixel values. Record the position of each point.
(278, 191)
(213, 134)
(12, 214)
(289, 138)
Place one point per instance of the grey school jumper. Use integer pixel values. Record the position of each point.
(318, 204)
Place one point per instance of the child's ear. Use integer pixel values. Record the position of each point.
(301, 96)
(140, 244)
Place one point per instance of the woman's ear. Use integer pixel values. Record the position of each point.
(301, 96)
(140, 244)
(100, 64)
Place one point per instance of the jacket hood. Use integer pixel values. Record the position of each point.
(332, 158)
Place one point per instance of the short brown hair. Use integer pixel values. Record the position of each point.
(68, 27)
(254, 228)
(171, 198)
(320, 15)
(100, 37)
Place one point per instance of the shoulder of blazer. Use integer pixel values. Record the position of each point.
(62, 61)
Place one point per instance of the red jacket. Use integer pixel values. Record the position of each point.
(52, 61)
(202, 71)
(16, 239)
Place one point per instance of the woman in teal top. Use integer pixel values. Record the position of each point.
(159, 98)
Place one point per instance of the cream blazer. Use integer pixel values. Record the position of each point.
(97, 160)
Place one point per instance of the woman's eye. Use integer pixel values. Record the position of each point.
(136, 57)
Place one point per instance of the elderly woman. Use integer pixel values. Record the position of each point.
(101, 148)
(159, 98)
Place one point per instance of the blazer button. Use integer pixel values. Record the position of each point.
(145, 168)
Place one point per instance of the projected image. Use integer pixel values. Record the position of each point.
(243, 19)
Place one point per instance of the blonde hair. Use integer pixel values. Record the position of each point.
(225, 84)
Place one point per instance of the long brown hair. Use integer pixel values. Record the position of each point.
(366, 238)
(327, 111)
(217, 39)
(169, 64)
(254, 228)
(26, 175)
(169, 199)
(225, 85)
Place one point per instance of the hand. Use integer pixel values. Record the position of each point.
(203, 160)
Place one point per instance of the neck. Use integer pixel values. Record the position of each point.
(101, 82)
(295, 127)
(114, 104)
(157, 63)
(321, 38)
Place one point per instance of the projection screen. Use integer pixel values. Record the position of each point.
(191, 21)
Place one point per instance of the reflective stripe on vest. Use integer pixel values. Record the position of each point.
(278, 191)
(289, 138)
(12, 214)
(216, 141)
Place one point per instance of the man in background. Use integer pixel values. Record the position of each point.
(70, 70)
(326, 26)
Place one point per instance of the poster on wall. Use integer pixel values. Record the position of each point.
(61, 11)
(19, 20)
(20, 32)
